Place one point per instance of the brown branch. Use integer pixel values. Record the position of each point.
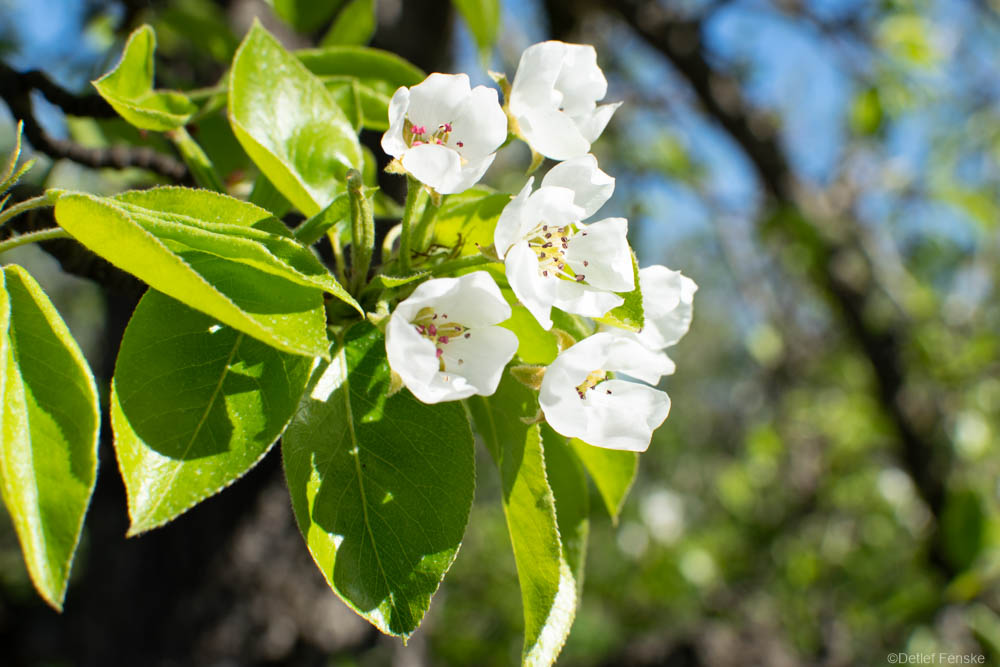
(15, 90)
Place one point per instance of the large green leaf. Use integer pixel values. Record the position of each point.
(483, 19)
(305, 15)
(468, 219)
(381, 486)
(569, 488)
(48, 431)
(613, 472)
(194, 406)
(289, 123)
(275, 309)
(129, 88)
(355, 24)
(377, 74)
(545, 568)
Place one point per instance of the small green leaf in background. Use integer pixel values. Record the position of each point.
(289, 124)
(545, 568)
(630, 314)
(381, 487)
(282, 312)
(129, 88)
(483, 19)
(378, 74)
(355, 24)
(49, 428)
(612, 470)
(194, 406)
(305, 15)
(469, 218)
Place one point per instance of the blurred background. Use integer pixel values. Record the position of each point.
(825, 491)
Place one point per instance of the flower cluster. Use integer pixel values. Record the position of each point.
(444, 341)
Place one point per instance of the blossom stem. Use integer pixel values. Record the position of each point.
(34, 237)
(195, 158)
(362, 230)
(414, 190)
(24, 206)
(422, 232)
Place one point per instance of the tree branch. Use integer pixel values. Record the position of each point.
(15, 90)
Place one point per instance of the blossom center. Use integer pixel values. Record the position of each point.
(550, 243)
(593, 379)
(440, 330)
(417, 135)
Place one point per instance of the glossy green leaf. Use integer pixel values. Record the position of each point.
(194, 406)
(569, 488)
(483, 19)
(355, 24)
(49, 428)
(289, 124)
(535, 345)
(381, 486)
(282, 312)
(544, 567)
(347, 93)
(469, 218)
(612, 470)
(128, 88)
(629, 315)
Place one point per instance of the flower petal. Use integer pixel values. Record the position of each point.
(410, 354)
(591, 125)
(509, 228)
(480, 124)
(438, 99)
(604, 246)
(591, 186)
(583, 299)
(552, 133)
(392, 141)
(436, 166)
(667, 299)
(580, 79)
(626, 417)
(481, 357)
(531, 289)
(535, 79)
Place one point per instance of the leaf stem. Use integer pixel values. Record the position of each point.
(34, 237)
(22, 207)
(461, 263)
(362, 229)
(194, 157)
(414, 190)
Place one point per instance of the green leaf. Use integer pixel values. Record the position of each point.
(289, 124)
(194, 406)
(469, 218)
(612, 470)
(281, 312)
(305, 15)
(128, 88)
(377, 73)
(569, 488)
(535, 345)
(346, 93)
(381, 487)
(355, 24)
(483, 19)
(544, 567)
(629, 315)
(49, 428)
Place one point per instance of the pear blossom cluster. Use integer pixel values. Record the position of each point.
(446, 341)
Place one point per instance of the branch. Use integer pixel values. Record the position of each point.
(15, 90)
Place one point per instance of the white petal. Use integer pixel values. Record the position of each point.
(591, 125)
(553, 206)
(437, 99)
(473, 300)
(625, 418)
(625, 354)
(509, 227)
(531, 289)
(480, 124)
(604, 246)
(667, 299)
(392, 141)
(410, 354)
(437, 166)
(583, 299)
(535, 79)
(552, 133)
(481, 357)
(469, 175)
(580, 80)
(591, 186)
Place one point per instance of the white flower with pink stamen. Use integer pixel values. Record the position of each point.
(580, 399)
(443, 342)
(551, 257)
(444, 133)
(554, 99)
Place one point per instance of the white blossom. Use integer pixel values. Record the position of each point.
(442, 340)
(580, 400)
(554, 99)
(551, 257)
(444, 133)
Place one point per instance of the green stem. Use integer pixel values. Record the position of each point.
(422, 230)
(34, 237)
(26, 205)
(194, 157)
(461, 263)
(362, 229)
(414, 190)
